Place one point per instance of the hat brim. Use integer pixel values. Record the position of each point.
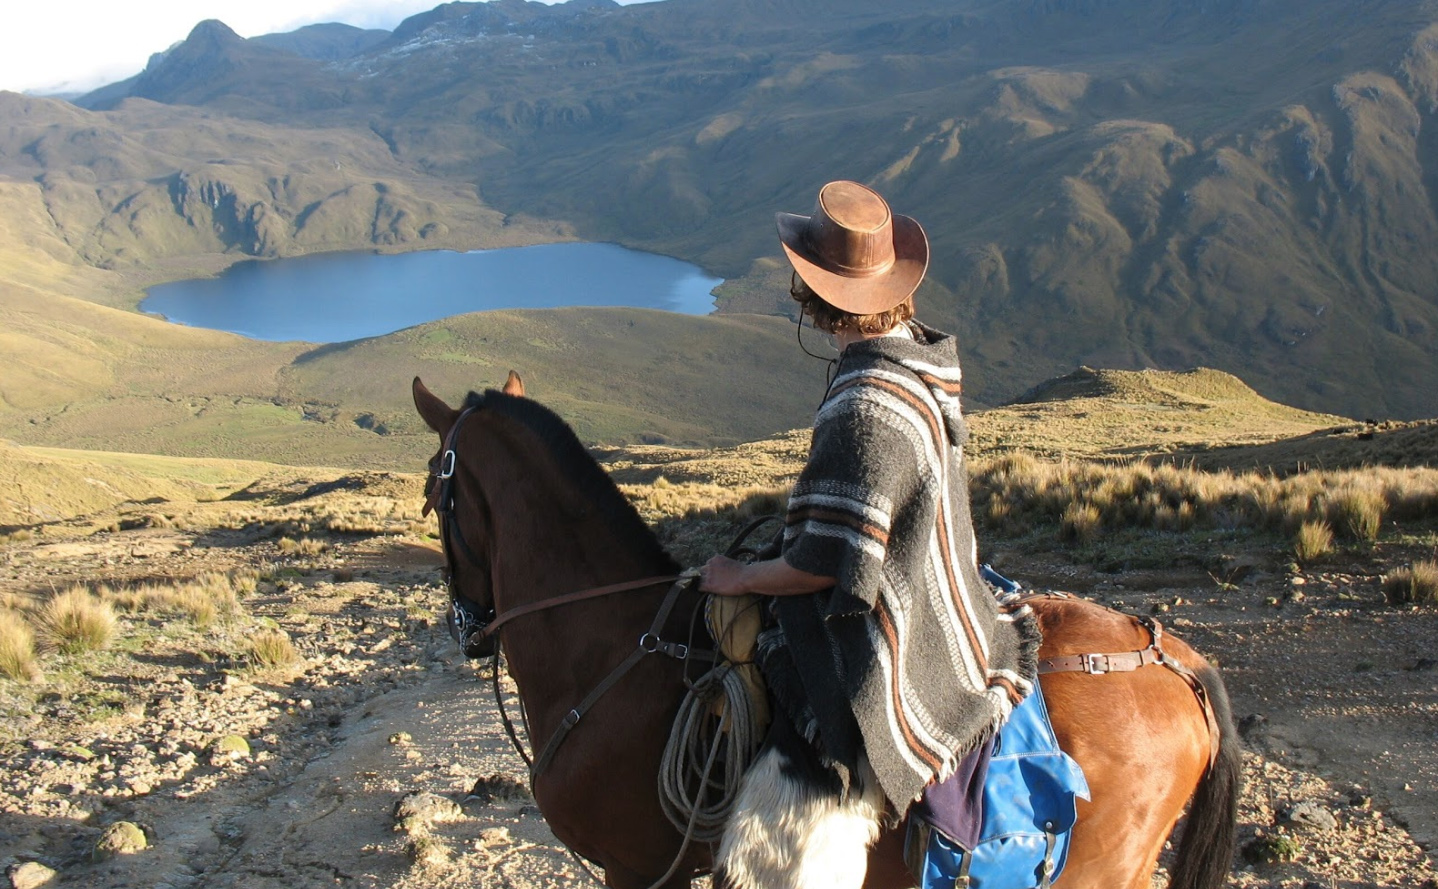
(859, 296)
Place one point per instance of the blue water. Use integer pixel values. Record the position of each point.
(335, 297)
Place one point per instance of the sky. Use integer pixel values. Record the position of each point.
(77, 45)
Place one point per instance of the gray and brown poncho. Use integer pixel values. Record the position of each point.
(910, 647)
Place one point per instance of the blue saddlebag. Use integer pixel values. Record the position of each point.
(1030, 807)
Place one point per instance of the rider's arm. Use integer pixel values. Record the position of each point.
(774, 577)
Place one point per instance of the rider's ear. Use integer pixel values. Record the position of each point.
(514, 385)
(435, 413)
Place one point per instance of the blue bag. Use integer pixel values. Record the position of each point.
(1029, 809)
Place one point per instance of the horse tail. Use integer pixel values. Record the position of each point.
(1205, 853)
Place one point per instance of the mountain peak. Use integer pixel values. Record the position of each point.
(214, 33)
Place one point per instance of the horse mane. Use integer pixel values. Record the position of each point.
(580, 468)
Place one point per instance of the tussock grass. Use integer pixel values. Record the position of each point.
(1416, 584)
(1015, 494)
(1313, 541)
(77, 621)
(203, 600)
(1358, 509)
(270, 651)
(305, 546)
(1081, 522)
(17, 648)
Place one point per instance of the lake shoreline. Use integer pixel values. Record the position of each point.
(341, 296)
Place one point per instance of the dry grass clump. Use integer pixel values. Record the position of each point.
(1358, 509)
(664, 499)
(1080, 522)
(77, 621)
(203, 600)
(271, 651)
(1415, 585)
(305, 546)
(17, 648)
(1015, 494)
(1313, 541)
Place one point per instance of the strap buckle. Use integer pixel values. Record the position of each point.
(1095, 664)
(650, 643)
(446, 465)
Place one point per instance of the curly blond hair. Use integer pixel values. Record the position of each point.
(832, 320)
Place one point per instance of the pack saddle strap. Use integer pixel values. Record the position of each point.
(1128, 661)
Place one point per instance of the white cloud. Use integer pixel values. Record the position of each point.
(82, 44)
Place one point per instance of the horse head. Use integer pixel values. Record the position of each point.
(466, 540)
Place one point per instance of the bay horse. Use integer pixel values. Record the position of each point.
(534, 518)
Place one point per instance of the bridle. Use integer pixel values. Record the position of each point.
(467, 623)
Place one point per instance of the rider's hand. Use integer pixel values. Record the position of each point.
(723, 576)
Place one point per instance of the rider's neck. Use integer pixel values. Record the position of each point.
(845, 338)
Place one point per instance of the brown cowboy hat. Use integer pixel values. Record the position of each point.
(853, 252)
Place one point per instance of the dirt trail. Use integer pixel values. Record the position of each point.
(1336, 691)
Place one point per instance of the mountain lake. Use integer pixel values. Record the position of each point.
(334, 297)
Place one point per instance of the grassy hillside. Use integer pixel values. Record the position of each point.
(89, 376)
(47, 485)
(615, 374)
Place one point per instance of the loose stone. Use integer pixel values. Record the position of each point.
(120, 838)
(30, 875)
(416, 811)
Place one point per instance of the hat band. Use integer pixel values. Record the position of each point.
(848, 271)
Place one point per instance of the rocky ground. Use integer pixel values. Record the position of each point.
(378, 759)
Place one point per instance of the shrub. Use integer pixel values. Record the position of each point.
(1272, 849)
(76, 621)
(1313, 541)
(271, 650)
(1416, 584)
(17, 648)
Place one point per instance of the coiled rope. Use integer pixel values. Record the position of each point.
(697, 802)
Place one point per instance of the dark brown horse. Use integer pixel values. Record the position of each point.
(535, 518)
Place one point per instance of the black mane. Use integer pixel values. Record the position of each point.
(580, 467)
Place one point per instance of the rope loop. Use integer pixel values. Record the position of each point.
(695, 800)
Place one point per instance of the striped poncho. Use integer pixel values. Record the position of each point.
(910, 641)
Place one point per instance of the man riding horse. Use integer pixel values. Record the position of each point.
(892, 659)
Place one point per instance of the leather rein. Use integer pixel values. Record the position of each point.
(471, 627)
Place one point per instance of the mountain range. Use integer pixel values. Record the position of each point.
(1250, 185)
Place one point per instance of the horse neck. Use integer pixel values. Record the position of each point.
(550, 544)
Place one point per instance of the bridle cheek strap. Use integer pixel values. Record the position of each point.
(466, 623)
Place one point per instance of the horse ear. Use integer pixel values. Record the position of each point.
(436, 414)
(514, 385)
